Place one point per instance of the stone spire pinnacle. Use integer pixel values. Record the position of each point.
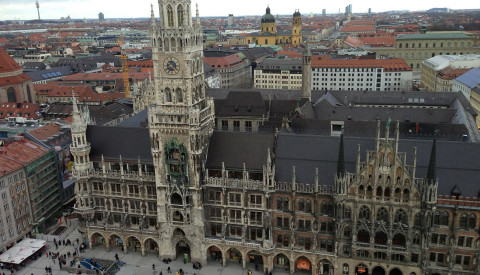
(432, 165)
(197, 18)
(307, 73)
(341, 159)
(152, 15)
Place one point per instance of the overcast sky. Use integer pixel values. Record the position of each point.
(79, 9)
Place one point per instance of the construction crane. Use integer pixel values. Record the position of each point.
(126, 83)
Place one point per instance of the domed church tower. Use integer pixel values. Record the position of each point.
(297, 28)
(268, 23)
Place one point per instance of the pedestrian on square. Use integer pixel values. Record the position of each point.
(168, 269)
(153, 266)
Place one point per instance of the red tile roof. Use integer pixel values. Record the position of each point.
(393, 64)
(102, 76)
(379, 41)
(358, 29)
(361, 23)
(82, 93)
(290, 54)
(7, 64)
(15, 155)
(11, 109)
(13, 80)
(223, 62)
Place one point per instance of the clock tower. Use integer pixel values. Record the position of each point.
(181, 120)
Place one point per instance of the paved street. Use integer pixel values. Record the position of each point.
(135, 263)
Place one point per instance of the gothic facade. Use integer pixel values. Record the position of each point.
(278, 200)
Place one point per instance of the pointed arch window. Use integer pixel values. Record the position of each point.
(168, 95)
(400, 216)
(418, 219)
(364, 213)
(308, 206)
(382, 215)
(472, 221)
(463, 221)
(11, 95)
(348, 213)
(179, 95)
(170, 16)
(180, 15)
(347, 232)
(301, 205)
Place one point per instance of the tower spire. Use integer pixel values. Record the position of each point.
(197, 18)
(306, 73)
(432, 165)
(341, 159)
(152, 15)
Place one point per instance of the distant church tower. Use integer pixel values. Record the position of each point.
(181, 120)
(268, 24)
(297, 28)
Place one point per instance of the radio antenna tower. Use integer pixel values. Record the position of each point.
(38, 9)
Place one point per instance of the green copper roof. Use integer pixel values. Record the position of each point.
(417, 36)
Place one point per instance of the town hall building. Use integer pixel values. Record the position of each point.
(271, 188)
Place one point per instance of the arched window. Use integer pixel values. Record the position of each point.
(416, 239)
(444, 219)
(361, 190)
(379, 191)
(363, 236)
(11, 95)
(472, 221)
(323, 209)
(386, 193)
(406, 193)
(381, 238)
(397, 193)
(279, 203)
(463, 221)
(166, 45)
(285, 204)
(369, 190)
(330, 208)
(180, 15)
(364, 213)
(347, 232)
(399, 240)
(418, 220)
(176, 199)
(301, 205)
(173, 44)
(308, 206)
(400, 216)
(179, 95)
(382, 215)
(168, 95)
(436, 218)
(170, 16)
(29, 94)
(348, 213)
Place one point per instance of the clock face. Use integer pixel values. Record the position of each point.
(171, 65)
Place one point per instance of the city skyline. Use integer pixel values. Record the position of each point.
(54, 9)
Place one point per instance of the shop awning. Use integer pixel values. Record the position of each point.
(21, 251)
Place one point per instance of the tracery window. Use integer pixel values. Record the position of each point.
(400, 216)
(364, 213)
(382, 215)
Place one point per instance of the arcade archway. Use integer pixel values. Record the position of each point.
(281, 262)
(214, 255)
(115, 242)
(361, 269)
(255, 260)
(133, 243)
(234, 255)
(182, 250)
(151, 245)
(303, 265)
(325, 267)
(378, 271)
(395, 271)
(97, 239)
